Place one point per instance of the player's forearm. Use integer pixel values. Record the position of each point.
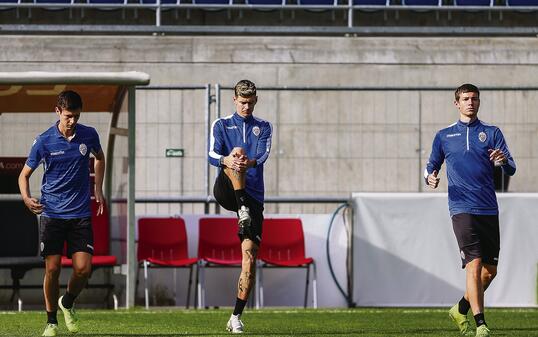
(99, 168)
(24, 183)
(24, 187)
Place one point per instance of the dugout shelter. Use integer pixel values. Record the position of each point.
(102, 92)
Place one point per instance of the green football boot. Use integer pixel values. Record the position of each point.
(482, 331)
(70, 316)
(50, 330)
(461, 321)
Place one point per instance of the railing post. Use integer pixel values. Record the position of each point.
(158, 14)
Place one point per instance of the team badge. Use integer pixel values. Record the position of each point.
(482, 137)
(462, 254)
(83, 149)
(256, 131)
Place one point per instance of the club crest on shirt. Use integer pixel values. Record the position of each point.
(83, 149)
(482, 137)
(256, 131)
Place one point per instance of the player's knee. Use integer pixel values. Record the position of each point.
(82, 272)
(52, 270)
(489, 275)
(238, 150)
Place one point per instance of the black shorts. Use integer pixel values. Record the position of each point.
(224, 194)
(53, 233)
(478, 237)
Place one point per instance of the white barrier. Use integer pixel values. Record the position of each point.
(406, 253)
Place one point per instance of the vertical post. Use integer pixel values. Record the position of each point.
(207, 131)
(158, 14)
(218, 114)
(419, 150)
(350, 257)
(131, 256)
(217, 100)
(350, 14)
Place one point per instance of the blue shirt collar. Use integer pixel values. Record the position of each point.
(473, 123)
(241, 118)
(59, 134)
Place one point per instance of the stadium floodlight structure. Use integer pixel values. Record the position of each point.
(22, 92)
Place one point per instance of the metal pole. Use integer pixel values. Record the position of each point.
(207, 131)
(350, 257)
(158, 14)
(350, 14)
(131, 256)
(218, 114)
(420, 172)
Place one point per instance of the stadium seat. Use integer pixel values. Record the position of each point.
(19, 244)
(218, 246)
(283, 247)
(101, 248)
(162, 243)
(371, 2)
(318, 2)
(473, 2)
(266, 2)
(212, 2)
(520, 3)
(422, 2)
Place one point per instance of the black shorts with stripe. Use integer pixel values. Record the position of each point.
(224, 194)
(54, 233)
(478, 237)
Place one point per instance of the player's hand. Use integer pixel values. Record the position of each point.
(100, 202)
(433, 180)
(239, 162)
(497, 157)
(33, 205)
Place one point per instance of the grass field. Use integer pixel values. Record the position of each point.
(295, 322)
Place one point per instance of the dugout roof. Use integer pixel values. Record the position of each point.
(37, 91)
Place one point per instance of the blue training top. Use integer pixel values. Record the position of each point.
(250, 133)
(65, 189)
(465, 147)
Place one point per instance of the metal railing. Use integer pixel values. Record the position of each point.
(349, 7)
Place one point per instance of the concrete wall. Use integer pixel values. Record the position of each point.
(325, 143)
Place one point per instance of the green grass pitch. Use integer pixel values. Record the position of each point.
(408, 322)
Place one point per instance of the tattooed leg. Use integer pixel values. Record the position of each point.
(248, 269)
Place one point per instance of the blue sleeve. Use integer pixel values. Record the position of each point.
(96, 143)
(216, 144)
(36, 154)
(437, 157)
(264, 144)
(510, 167)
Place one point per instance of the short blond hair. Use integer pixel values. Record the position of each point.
(245, 88)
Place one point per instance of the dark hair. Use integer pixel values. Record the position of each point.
(467, 87)
(245, 88)
(69, 100)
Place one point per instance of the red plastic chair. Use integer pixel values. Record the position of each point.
(162, 243)
(283, 246)
(101, 248)
(218, 246)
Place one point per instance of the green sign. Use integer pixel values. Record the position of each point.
(175, 153)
